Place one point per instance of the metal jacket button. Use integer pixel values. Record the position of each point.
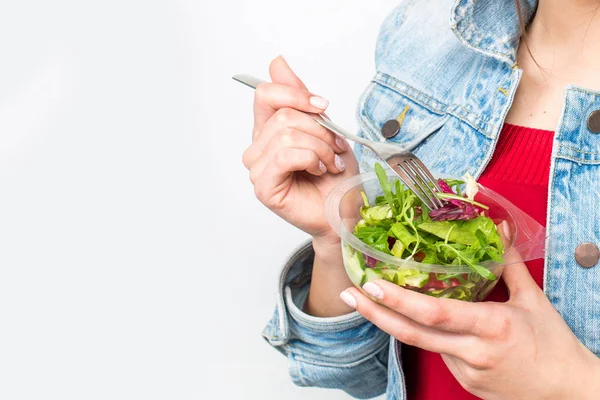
(594, 121)
(587, 254)
(392, 127)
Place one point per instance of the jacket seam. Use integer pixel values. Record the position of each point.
(299, 372)
(424, 100)
(547, 266)
(429, 103)
(457, 29)
(567, 147)
(361, 358)
(578, 160)
(549, 233)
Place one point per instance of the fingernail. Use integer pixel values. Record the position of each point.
(318, 102)
(339, 163)
(348, 299)
(506, 229)
(340, 143)
(373, 290)
(322, 167)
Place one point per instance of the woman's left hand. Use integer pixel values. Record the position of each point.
(521, 349)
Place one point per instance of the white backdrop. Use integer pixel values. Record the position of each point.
(135, 262)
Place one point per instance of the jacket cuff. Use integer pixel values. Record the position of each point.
(317, 339)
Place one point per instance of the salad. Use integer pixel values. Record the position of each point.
(457, 234)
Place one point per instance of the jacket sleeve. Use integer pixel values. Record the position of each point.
(346, 352)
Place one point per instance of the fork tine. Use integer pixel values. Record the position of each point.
(426, 178)
(419, 182)
(409, 181)
(422, 180)
(427, 172)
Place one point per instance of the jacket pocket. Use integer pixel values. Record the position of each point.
(386, 99)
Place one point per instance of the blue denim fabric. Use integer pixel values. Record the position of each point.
(346, 352)
(453, 64)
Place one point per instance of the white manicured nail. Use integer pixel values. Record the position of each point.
(341, 143)
(373, 290)
(348, 299)
(322, 167)
(318, 102)
(339, 163)
(506, 229)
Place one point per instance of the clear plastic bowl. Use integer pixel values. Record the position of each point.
(527, 239)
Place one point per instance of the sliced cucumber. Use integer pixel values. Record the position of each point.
(405, 277)
(375, 214)
(354, 268)
(398, 249)
(372, 274)
(434, 293)
(417, 280)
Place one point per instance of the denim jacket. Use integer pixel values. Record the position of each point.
(452, 63)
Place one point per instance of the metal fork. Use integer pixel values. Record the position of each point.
(411, 171)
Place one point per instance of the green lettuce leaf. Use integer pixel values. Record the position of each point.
(400, 232)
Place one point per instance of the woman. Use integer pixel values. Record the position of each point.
(507, 92)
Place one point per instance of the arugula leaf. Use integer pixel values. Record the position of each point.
(482, 238)
(488, 250)
(379, 200)
(365, 199)
(460, 198)
(382, 244)
(398, 218)
(409, 221)
(399, 194)
(374, 236)
(430, 256)
(454, 182)
(494, 255)
(486, 273)
(425, 213)
(447, 277)
(385, 184)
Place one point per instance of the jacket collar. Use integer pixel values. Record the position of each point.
(490, 27)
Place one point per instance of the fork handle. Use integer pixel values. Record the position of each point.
(323, 120)
(329, 124)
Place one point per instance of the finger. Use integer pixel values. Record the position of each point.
(270, 97)
(407, 330)
(272, 183)
(300, 140)
(281, 73)
(443, 314)
(516, 275)
(519, 282)
(288, 118)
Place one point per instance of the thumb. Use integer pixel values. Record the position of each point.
(516, 276)
(281, 73)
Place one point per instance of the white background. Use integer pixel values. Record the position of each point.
(135, 262)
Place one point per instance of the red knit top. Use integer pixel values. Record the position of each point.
(519, 171)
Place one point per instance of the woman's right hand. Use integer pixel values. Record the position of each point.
(293, 161)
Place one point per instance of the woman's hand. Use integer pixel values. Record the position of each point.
(293, 161)
(521, 349)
